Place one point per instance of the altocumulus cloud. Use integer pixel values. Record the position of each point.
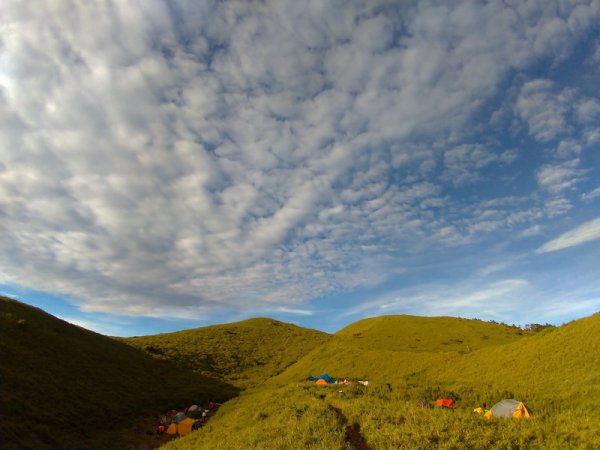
(173, 157)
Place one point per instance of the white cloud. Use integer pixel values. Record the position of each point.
(174, 158)
(592, 195)
(587, 232)
(559, 177)
(534, 230)
(295, 311)
(462, 164)
(492, 300)
(544, 110)
(557, 206)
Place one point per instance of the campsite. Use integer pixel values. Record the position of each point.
(299, 225)
(375, 384)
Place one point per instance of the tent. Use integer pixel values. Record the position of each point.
(321, 381)
(180, 416)
(185, 426)
(324, 376)
(172, 429)
(445, 402)
(508, 408)
(194, 412)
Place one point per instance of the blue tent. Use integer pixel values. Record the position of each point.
(321, 377)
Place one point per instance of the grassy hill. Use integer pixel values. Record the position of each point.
(242, 353)
(66, 387)
(62, 386)
(555, 372)
(427, 334)
(390, 348)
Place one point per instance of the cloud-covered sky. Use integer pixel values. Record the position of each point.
(166, 164)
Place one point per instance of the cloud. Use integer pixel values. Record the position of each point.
(462, 164)
(495, 300)
(176, 158)
(531, 231)
(559, 177)
(544, 110)
(589, 231)
(552, 112)
(589, 196)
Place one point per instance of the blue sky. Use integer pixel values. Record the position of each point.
(167, 165)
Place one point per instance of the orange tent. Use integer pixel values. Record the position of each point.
(185, 426)
(321, 381)
(444, 402)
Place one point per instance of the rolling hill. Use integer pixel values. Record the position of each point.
(556, 372)
(242, 353)
(389, 348)
(66, 387)
(427, 334)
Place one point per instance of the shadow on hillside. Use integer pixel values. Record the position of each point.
(66, 387)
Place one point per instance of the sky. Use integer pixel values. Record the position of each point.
(173, 164)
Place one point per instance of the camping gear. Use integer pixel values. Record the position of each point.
(185, 426)
(364, 383)
(172, 429)
(321, 381)
(321, 377)
(194, 412)
(445, 402)
(179, 417)
(164, 420)
(509, 407)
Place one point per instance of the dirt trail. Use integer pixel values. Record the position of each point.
(353, 436)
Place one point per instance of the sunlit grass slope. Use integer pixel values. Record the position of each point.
(243, 353)
(426, 334)
(392, 347)
(555, 372)
(272, 418)
(62, 386)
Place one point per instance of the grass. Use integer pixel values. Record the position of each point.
(66, 387)
(243, 354)
(83, 390)
(427, 334)
(279, 418)
(555, 372)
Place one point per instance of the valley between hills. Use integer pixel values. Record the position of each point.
(65, 387)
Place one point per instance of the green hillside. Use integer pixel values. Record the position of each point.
(383, 348)
(427, 334)
(555, 372)
(242, 353)
(66, 387)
